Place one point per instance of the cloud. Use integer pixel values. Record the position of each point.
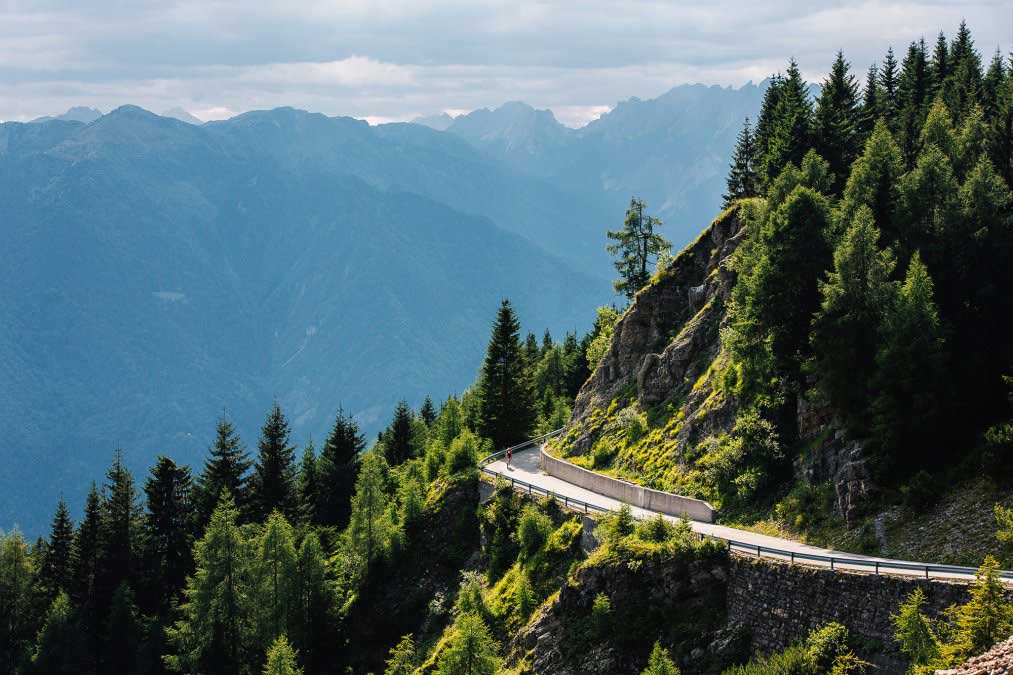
(395, 59)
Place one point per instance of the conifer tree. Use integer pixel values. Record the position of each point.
(401, 659)
(992, 86)
(1000, 130)
(507, 402)
(963, 86)
(909, 365)
(18, 622)
(428, 411)
(940, 64)
(764, 131)
(168, 541)
(871, 96)
(308, 484)
(547, 343)
(58, 571)
(225, 469)
(121, 532)
(124, 634)
(275, 591)
(398, 439)
(531, 351)
(912, 92)
(281, 659)
(58, 648)
(927, 197)
(873, 181)
(449, 424)
(938, 130)
(660, 663)
(369, 531)
(636, 245)
(273, 483)
(470, 649)
(310, 632)
(337, 469)
(838, 120)
(742, 179)
(792, 129)
(889, 102)
(214, 633)
(87, 543)
(845, 330)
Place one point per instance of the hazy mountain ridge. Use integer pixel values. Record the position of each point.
(159, 271)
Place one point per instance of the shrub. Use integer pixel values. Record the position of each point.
(602, 454)
(615, 526)
(921, 491)
(524, 596)
(469, 597)
(533, 530)
(657, 529)
(660, 662)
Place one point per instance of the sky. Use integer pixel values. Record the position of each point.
(392, 60)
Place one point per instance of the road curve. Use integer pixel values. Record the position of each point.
(525, 468)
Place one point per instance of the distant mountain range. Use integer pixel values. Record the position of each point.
(157, 272)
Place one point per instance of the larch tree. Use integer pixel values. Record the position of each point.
(873, 182)
(273, 483)
(635, 247)
(276, 602)
(507, 397)
(281, 659)
(369, 531)
(470, 649)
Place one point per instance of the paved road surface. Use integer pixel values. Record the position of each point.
(525, 467)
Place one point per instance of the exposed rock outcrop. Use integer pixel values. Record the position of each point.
(996, 661)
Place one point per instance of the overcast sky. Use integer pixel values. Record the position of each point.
(393, 60)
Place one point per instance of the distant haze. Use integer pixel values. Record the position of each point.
(399, 59)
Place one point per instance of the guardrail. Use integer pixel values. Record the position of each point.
(834, 562)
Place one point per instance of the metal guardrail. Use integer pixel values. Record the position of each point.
(834, 562)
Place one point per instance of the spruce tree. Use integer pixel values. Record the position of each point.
(909, 368)
(507, 403)
(889, 102)
(764, 132)
(310, 632)
(962, 88)
(855, 296)
(742, 179)
(87, 543)
(912, 92)
(1000, 130)
(992, 86)
(124, 634)
(273, 483)
(58, 571)
(225, 469)
(636, 246)
(428, 411)
(792, 129)
(547, 343)
(871, 96)
(398, 439)
(531, 351)
(838, 120)
(938, 130)
(940, 64)
(927, 196)
(168, 541)
(308, 484)
(121, 532)
(337, 469)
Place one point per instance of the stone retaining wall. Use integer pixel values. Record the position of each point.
(635, 495)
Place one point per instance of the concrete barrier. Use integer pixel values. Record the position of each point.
(631, 493)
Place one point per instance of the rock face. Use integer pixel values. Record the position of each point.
(678, 602)
(996, 661)
(669, 335)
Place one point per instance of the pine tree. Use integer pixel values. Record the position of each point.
(636, 245)
(871, 97)
(281, 659)
(873, 181)
(889, 103)
(660, 663)
(470, 649)
(225, 469)
(58, 571)
(308, 484)
(214, 632)
(337, 469)
(428, 411)
(168, 541)
(369, 531)
(845, 330)
(838, 120)
(507, 401)
(273, 484)
(909, 365)
(742, 179)
(398, 439)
